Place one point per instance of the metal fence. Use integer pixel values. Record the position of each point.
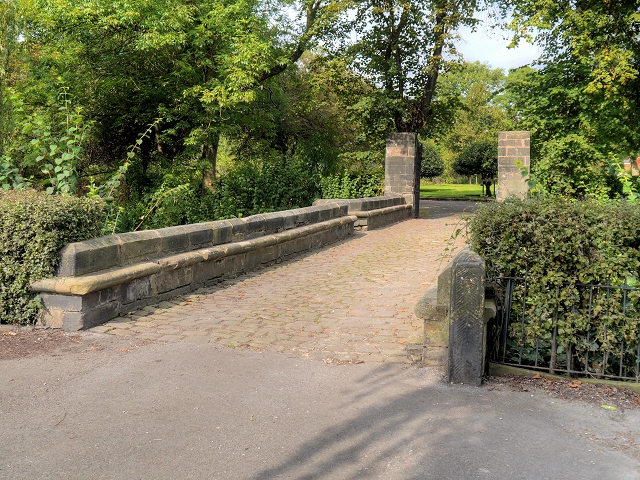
(584, 329)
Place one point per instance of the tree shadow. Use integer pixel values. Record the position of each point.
(432, 430)
(435, 209)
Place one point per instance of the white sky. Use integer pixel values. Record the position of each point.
(490, 47)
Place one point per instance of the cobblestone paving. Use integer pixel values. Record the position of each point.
(349, 302)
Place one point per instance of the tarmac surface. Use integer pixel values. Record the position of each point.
(303, 403)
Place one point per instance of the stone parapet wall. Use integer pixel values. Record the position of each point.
(455, 314)
(374, 212)
(102, 278)
(81, 258)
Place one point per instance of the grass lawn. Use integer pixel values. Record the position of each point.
(450, 190)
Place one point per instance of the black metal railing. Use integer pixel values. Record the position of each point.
(582, 329)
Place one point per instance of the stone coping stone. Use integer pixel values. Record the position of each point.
(119, 250)
(95, 281)
(365, 204)
(379, 211)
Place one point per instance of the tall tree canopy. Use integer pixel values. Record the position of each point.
(587, 89)
(402, 47)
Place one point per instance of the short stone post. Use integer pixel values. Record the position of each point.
(402, 168)
(467, 327)
(513, 148)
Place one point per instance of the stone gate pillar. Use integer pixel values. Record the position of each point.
(513, 148)
(402, 168)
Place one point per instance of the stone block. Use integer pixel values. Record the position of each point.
(519, 152)
(167, 280)
(136, 290)
(138, 246)
(328, 212)
(238, 229)
(79, 320)
(222, 232)
(174, 239)
(205, 271)
(435, 356)
(254, 226)
(288, 219)
(466, 319)
(80, 258)
(444, 286)
(72, 303)
(273, 222)
(200, 234)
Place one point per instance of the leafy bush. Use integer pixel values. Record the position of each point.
(478, 159)
(558, 245)
(353, 185)
(33, 228)
(432, 163)
(572, 167)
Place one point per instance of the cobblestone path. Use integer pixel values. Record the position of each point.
(349, 302)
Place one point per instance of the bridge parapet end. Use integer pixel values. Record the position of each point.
(455, 318)
(374, 212)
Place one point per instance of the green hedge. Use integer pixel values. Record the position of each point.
(33, 228)
(559, 240)
(558, 244)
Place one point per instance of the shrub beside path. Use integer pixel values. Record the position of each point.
(348, 302)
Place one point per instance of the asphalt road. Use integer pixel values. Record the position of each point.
(109, 409)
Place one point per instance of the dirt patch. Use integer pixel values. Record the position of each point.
(572, 389)
(29, 343)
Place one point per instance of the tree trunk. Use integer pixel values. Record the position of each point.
(210, 154)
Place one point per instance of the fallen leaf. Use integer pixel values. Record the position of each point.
(574, 384)
(608, 407)
(402, 341)
(537, 375)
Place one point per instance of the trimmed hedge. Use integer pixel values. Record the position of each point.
(33, 228)
(558, 240)
(558, 245)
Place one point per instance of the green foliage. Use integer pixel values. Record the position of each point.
(469, 107)
(401, 47)
(585, 95)
(33, 228)
(557, 243)
(353, 185)
(478, 159)
(47, 148)
(432, 164)
(572, 167)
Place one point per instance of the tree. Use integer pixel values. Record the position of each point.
(479, 159)
(203, 66)
(401, 48)
(432, 164)
(8, 41)
(587, 89)
(469, 107)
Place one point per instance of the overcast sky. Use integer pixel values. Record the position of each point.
(490, 47)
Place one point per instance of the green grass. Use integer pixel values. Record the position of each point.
(450, 190)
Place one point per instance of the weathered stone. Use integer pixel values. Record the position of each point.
(80, 258)
(402, 168)
(466, 319)
(139, 246)
(513, 149)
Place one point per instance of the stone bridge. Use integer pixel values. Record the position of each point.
(351, 301)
